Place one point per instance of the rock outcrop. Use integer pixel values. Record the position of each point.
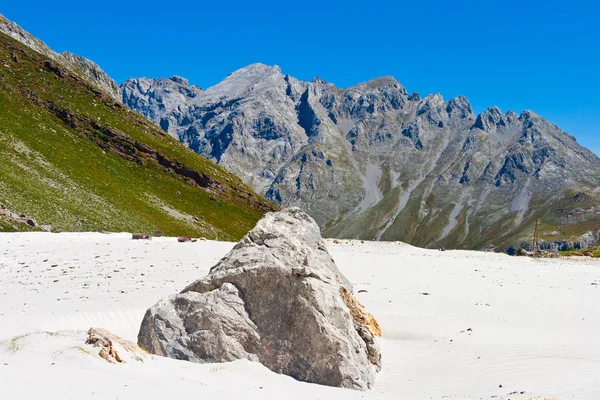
(276, 298)
(113, 348)
(20, 218)
(373, 162)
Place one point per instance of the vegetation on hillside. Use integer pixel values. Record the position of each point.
(592, 252)
(77, 160)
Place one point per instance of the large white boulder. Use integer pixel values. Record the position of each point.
(278, 298)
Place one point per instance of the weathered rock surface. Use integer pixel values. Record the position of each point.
(373, 162)
(277, 298)
(113, 348)
(90, 71)
(87, 69)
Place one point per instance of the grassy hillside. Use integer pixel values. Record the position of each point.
(77, 160)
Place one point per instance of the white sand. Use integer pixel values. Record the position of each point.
(534, 324)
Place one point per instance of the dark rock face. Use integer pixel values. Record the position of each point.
(373, 162)
(276, 298)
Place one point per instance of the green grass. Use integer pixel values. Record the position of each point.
(68, 173)
(491, 225)
(8, 225)
(595, 252)
(14, 345)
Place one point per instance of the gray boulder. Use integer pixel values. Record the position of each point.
(278, 298)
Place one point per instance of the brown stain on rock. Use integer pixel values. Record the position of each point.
(104, 339)
(359, 313)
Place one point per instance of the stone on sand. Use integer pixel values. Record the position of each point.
(277, 298)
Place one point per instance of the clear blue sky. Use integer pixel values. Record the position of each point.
(526, 54)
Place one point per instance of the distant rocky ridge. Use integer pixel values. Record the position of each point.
(82, 66)
(375, 162)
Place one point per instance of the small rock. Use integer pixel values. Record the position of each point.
(138, 236)
(106, 341)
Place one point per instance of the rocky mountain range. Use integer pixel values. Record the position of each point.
(373, 161)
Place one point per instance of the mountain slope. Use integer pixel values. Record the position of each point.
(83, 67)
(374, 162)
(76, 159)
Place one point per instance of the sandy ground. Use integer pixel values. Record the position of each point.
(456, 324)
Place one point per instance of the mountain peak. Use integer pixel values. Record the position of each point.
(252, 78)
(383, 81)
(430, 102)
(179, 79)
(461, 106)
(379, 83)
(528, 115)
(256, 69)
(492, 117)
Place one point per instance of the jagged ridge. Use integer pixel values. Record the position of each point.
(373, 162)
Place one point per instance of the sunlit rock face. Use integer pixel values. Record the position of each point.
(375, 162)
(276, 298)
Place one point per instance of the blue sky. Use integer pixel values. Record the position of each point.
(537, 55)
